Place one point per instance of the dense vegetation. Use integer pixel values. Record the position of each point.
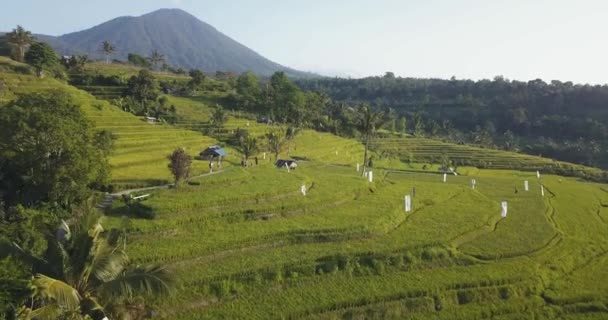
(559, 119)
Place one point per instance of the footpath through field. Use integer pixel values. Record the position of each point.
(107, 202)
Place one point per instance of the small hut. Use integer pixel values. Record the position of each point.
(213, 153)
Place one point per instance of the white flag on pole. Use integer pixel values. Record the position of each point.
(526, 186)
(445, 177)
(542, 191)
(408, 203)
(504, 209)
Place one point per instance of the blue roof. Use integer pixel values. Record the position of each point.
(214, 150)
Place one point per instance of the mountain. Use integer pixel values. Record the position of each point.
(185, 41)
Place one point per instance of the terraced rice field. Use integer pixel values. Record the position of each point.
(247, 245)
(433, 151)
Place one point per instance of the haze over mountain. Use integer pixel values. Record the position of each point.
(185, 41)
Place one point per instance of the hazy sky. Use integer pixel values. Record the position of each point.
(519, 39)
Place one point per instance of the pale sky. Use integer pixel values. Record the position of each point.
(519, 39)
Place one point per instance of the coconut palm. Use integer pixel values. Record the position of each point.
(368, 121)
(85, 270)
(290, 134)
(20, 39)
(276, 141)
(248, 146)
(156, 58)
(219, 117)
(108, 49)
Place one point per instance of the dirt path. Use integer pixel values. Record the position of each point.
(107, 202)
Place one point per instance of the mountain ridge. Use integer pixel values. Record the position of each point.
(186, 41)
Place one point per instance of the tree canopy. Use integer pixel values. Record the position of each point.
(42, 57)
(48, 151)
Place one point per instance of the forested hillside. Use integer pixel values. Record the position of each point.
(558, 119)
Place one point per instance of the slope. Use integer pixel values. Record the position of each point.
(141, 149)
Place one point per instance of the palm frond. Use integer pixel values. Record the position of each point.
(49, 289)
(51, 311)
(153, 280)
(107, 262)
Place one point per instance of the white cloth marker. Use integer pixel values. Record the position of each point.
(504, 209)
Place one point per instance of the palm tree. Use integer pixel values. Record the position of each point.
(108, 49)
(85, 270)
(248, 146)
(369, 120)
(290, 134)
(20, 39)
(219, 117)
(276, 141)
(156, 58)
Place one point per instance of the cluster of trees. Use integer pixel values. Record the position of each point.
(557, 119)
(51, 158)
(143, 97)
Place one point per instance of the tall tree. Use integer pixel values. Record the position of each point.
(290, 134)
(156, 59)
(85, 269)
(143, 88)
(179, 165)
(276, 141)
(42, 57)
(219, 117)
(48, 151)
(197, 79)
(107, 49)
(20, 39)
(248, 146)
(400, 126)
(369, 120)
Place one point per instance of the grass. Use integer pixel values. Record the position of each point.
(246, 244)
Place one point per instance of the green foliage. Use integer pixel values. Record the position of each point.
(144, 89)
(42, 57)
(138, 60)
(49, 151)
(85, 268)
(276, 140)
(219, 117)
(543, 118)
(248, 146)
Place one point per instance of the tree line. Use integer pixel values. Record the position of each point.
(558, 119)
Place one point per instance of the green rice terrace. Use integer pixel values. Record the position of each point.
(246, 243)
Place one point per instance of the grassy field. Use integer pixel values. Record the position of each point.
(246, 244)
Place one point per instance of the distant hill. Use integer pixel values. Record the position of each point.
(185, 41)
